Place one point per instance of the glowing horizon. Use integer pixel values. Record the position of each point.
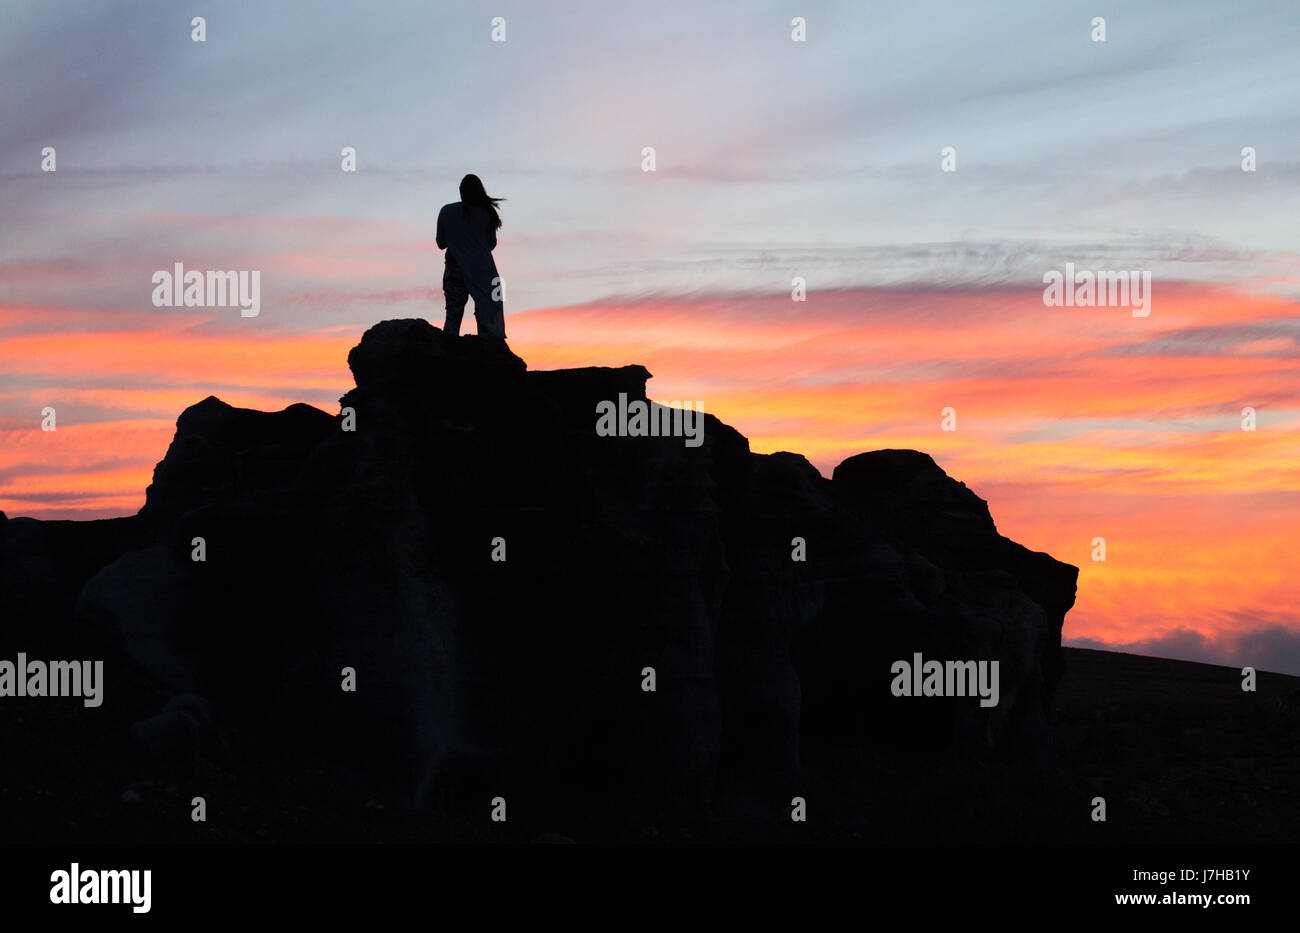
(1072, 423)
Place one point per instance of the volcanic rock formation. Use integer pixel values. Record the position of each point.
(498, 577)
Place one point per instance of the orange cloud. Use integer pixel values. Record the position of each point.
(1074, 423)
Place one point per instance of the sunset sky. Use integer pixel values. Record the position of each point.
(775, 159)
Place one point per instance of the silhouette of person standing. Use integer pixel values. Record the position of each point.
(467, 230)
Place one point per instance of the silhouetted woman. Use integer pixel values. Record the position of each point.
(467, 230)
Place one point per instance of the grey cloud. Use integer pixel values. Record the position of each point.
(1269, 647)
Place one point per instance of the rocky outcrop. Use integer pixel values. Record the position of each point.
(502, 583)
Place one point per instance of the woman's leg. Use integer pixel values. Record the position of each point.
(489, 313)
(491, 320)
(456, 294)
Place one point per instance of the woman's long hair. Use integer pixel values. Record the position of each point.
(472, 192)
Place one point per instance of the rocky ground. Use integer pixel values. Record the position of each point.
(1180, 754)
